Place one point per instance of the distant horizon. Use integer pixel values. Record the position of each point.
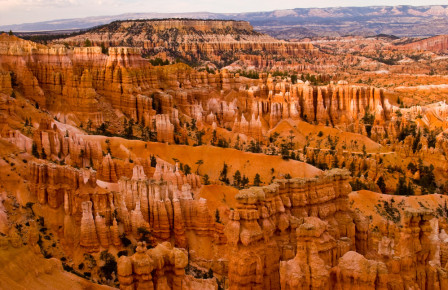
(17, 12)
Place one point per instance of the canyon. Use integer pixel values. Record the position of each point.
(217, 42)
(287, 166)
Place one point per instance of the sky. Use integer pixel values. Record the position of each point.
(27, 11)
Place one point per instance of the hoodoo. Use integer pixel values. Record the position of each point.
(203, 154)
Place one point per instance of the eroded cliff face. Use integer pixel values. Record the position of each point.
(167, 262)
(302, 234)
(218, 41)
(403, 256)
(271, 224)
(163, 204)
(403, 245)
(85, 87)
(333, 104)
(437, 44)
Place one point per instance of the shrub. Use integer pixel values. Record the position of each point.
(403, 188)
(206, 179)
(381, 184)
(187, 169)
(257, 180)
(110, 265)
(358, 185)
(237, 178)
(122, 253)
(223, 174)
(153, 161)
(125, 241)
(217, 217)
(144, 234)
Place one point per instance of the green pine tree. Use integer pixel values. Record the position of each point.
(257, 180)
(237, 178)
